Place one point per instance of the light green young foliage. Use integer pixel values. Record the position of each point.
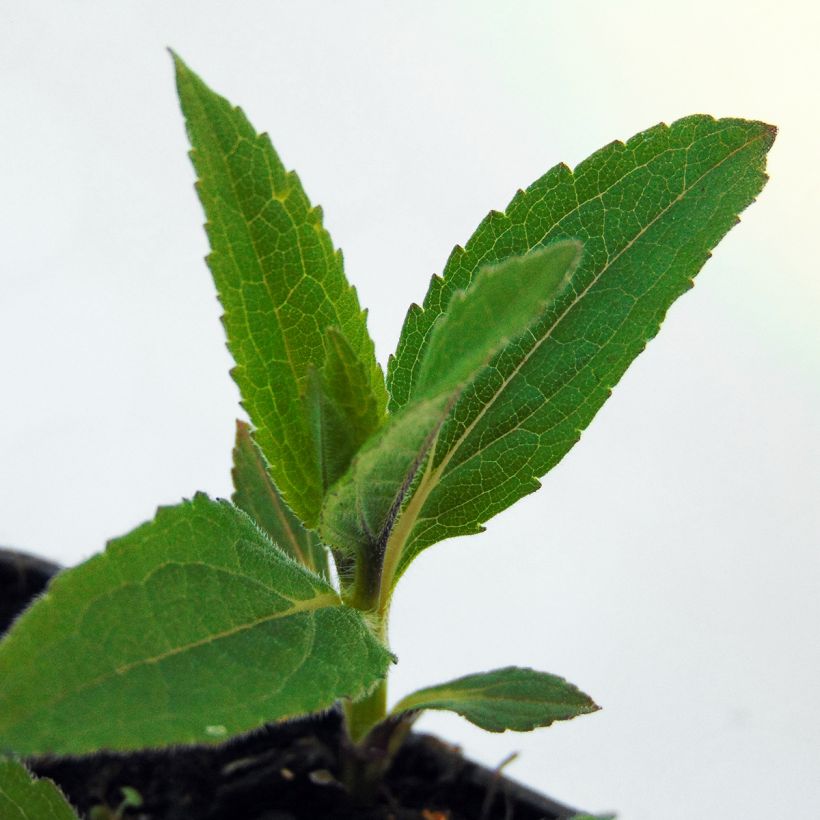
(360, 509)
(24, 797)
(256, 494)
(190, 629)
(648, 212)
(282, 286)
(502, 303)
(510, 698)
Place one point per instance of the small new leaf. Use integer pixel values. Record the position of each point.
(282, 285)
(510, 698)
(190, 629)
(361, 509)
(256, 494)
(500, 304)
(24, 797)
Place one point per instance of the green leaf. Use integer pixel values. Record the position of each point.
(257, 495)
(648, 212)
(361, 509)
(342, 411)
(24, 797)
(510, 698)
(502, 302)
(190, 629)
(281, 284)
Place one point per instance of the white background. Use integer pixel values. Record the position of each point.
(669, 565)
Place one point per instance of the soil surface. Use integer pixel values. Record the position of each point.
(283, 772)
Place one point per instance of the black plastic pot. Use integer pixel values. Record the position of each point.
(283, 772)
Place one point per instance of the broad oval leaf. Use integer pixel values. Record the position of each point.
(25, 797)
(189, 629)
(256, 494)
(511, 698)
(280, 281)
(648, 212)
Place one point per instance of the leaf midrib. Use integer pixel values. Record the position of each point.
(419, 700)
(316, 603)
(431, 479)
(567, 215)
(276, 504)
(246, 220)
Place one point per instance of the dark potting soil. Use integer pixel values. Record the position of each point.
(282, 772)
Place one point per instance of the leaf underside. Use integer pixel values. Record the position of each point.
(256, 494)
(648, 213)
(282, 286)
(189, 629)
(24, 797)
(513, 698)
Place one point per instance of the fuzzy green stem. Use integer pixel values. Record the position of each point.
(362, 716)
(362, 766)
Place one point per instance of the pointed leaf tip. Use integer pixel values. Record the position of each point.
(500, 304)
(281, 284)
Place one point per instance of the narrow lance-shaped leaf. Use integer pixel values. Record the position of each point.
(281, 283)
(24, 797)
(503, 302)
(648, 212)
(257, 495)
(189, 629)
(511, 698)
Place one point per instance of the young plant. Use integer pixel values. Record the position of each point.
(215, 618)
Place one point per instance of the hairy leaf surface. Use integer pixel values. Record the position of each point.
(502, 303)
(281, 283)
(257, 495)
(361, 508)
(24, 797)
(510, 698)
(189, 629)
(648, 213)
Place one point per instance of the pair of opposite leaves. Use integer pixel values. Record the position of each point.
(194, 627)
